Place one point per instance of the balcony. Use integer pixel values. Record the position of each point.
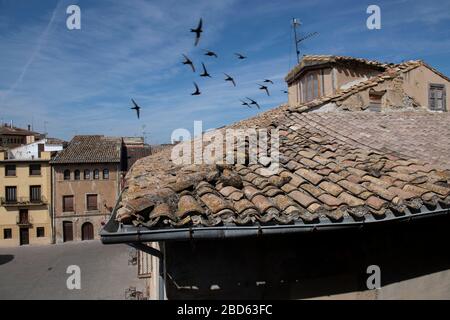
(24, 221)
(23, 201)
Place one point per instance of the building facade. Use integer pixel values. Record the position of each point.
(25, 197)
(86, 184)
(11, 137)
(134, 148)
(329, 83)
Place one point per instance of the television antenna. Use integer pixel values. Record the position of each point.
(296, 24)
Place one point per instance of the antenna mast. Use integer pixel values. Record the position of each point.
(296, 23)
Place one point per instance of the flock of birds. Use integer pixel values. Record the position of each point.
(248, 102)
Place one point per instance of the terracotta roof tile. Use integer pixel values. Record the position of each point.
(302, 198)
(90, 149)
(405, 168)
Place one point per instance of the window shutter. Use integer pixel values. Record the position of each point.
(92, 202)
(35, 193)
(68, 203)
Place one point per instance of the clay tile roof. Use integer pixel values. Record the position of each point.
(90, 149)
(312, 60)
(334, 167)
(5, 129)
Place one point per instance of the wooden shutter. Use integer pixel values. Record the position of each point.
(67, 231)
(437, 97)
(68, 204)
(315, 86)
(92, 202)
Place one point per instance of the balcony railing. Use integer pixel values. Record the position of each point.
(24, 221)
(23, 201)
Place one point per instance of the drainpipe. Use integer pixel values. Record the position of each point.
(52, 202)
(162, 265)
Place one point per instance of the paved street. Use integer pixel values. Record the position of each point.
(39, 272)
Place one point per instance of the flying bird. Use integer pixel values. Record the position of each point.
(205, 72)
(210, 53)
(136, 107)
(261, 87)
(284, 91)
(229, 78)
(198, 31)
(245, 103)
(240, 56)
(197, 90)
(268, 81)
(188, 62)
(254, 102)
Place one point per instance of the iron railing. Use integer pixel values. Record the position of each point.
(21, 201)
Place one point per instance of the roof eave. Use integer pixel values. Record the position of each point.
(115, 233)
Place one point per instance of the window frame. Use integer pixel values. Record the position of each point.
(30, 170)
(7, 170)
(77, 175)
(5, 237)
(105, 174)
(7, 193)
(88, 208)
(67, 178)
(96, 174)
(31, 193)
(38, 233)
(87, 174)
(444, 96)
(64, 209)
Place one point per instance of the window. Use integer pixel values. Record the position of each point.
(11, 194)
(437, 97)
(7, 233)
(105, 174)
(40, 232)
(66, 174)
(35, 169)
(375, 100)
(87, 174)
(311, 86)
(68, 204)
(35, 193)
(10, 170)
(91, 204)
(96, 174)
(77, 175)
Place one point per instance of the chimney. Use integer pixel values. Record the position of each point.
(11, 124)
(29, 127)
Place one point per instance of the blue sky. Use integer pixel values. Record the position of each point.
(81, 81)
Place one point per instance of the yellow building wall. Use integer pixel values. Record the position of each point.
(39, 215)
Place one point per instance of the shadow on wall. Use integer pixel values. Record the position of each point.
(5, 258)
(306, 265)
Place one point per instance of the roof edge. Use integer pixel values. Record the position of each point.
(115, 233)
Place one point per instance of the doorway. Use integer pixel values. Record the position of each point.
(87, 231)
(24, 236)
(67, 231)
